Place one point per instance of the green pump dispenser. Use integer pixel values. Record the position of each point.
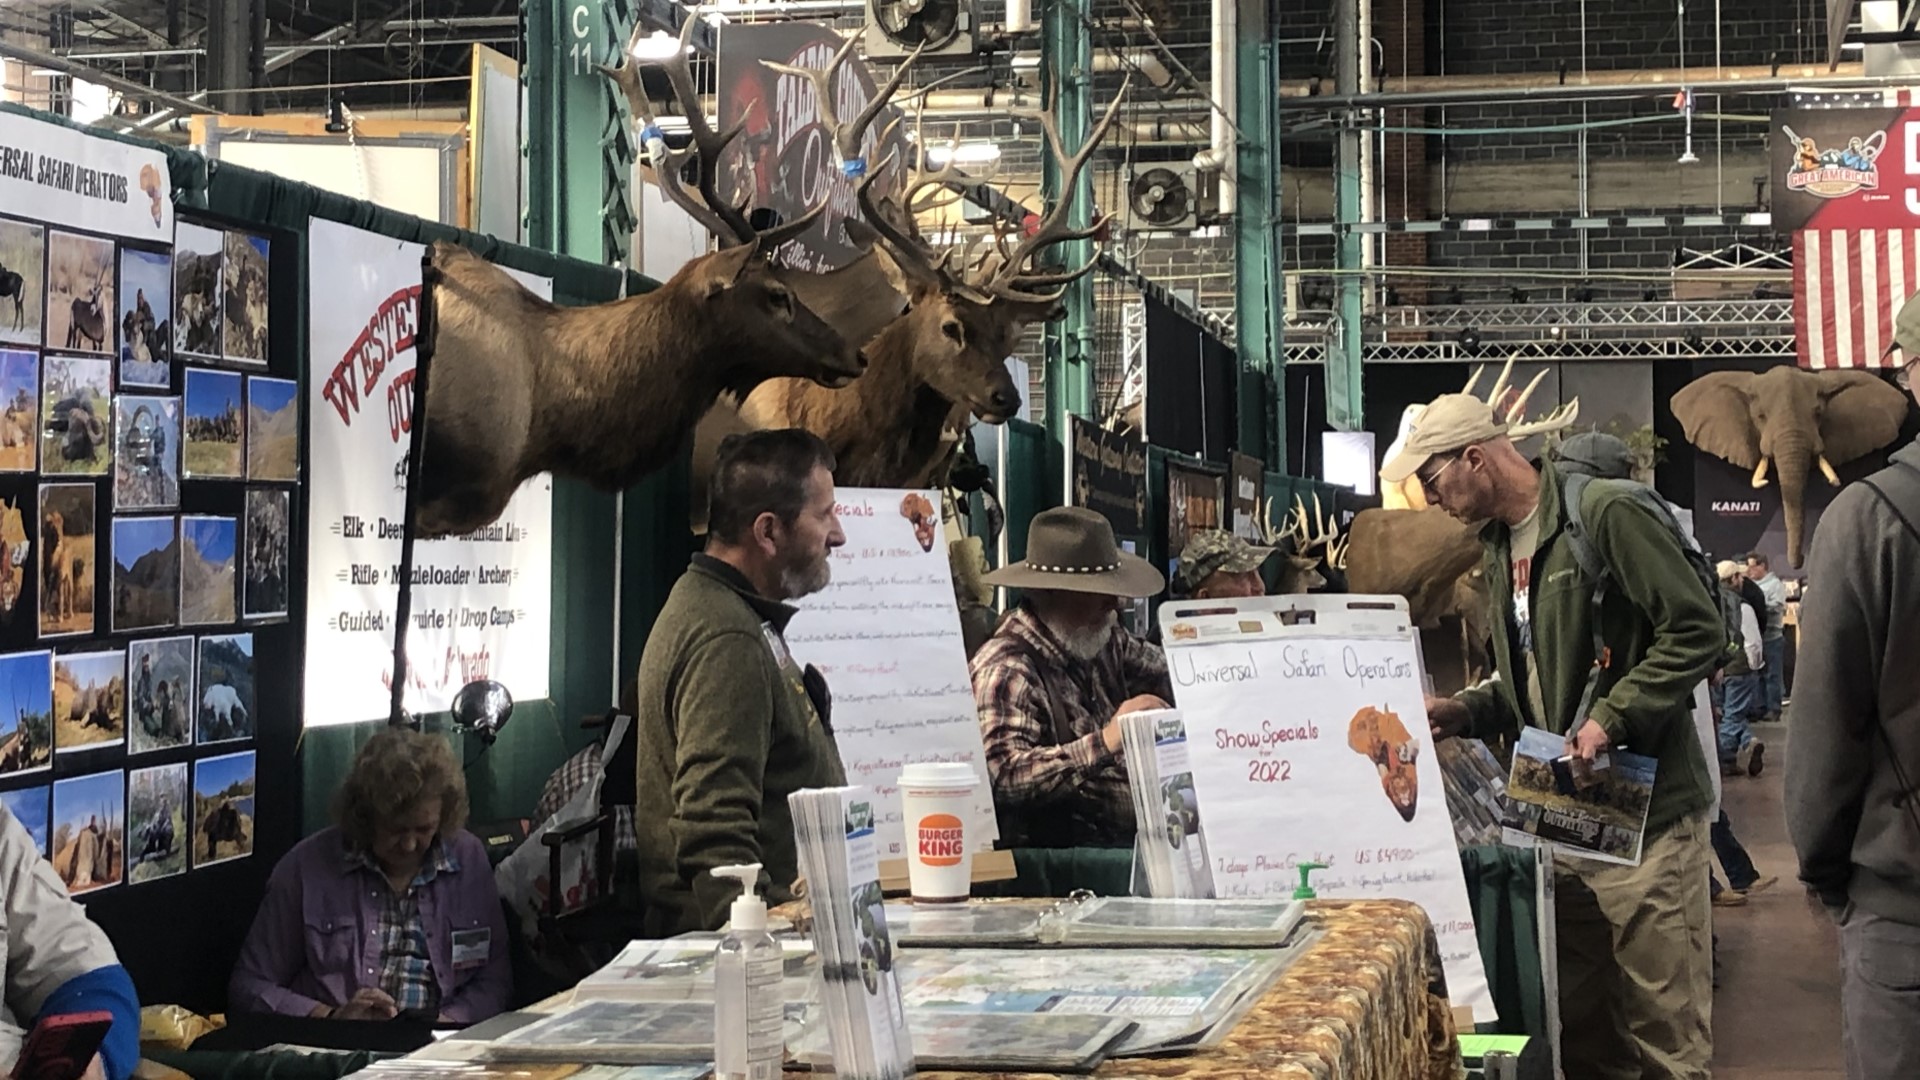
(1305, 891)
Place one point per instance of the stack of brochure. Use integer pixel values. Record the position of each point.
(624, 1033)
(1127, 920)
(1170, 847)
(1590, 810)
(682, 970)
(1475, 785)
(866, 1020)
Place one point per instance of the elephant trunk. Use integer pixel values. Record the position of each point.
(1794, 458)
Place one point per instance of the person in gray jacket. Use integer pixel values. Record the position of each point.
(1852, 808)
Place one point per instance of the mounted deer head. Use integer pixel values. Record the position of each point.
(1509, 407)
(1305, 544)
(609, 392)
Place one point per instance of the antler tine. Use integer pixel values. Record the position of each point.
(1500, 384)
(1519, 410)
(708, 144)
(1337, 552)
(848, 138)
(666, 163)
(1473, 380)
(1053, 227)
(1557, 420)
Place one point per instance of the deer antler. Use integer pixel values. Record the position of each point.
(1560, 418)
(726, 220)
(1513, 414)
(1323, 532)
(1013, 280)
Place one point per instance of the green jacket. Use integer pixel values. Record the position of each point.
(1662, 636)
(725, 733)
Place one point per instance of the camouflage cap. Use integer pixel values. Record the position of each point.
(1210, 551)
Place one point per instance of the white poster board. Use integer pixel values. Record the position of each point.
(481, 603)
(1291, 704)
(885, 633)
(63, 177)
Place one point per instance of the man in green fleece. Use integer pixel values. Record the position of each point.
(729, 725)
(1636, 978)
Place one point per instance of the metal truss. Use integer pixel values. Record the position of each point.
(1450, 350)
(1574, 316)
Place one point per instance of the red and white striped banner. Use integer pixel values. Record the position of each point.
(1847, 286)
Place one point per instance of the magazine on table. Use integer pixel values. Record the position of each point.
(681, 969)
(1131, 920)
(1003, 1042)
(1170, 846)
(1594, 810)
(625, 1033)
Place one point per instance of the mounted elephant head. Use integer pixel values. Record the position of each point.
(1794, 419)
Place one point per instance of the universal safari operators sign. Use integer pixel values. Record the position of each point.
(61, 176)
(481, 601)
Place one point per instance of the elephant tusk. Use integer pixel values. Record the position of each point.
(1826, 468)
(1760, 474)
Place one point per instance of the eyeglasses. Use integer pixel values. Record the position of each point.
(1903, 378)
(1427, 480)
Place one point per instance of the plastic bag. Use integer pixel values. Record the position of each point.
(171, 1027)
(522, 877)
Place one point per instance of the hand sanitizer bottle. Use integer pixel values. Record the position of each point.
(748, 1040)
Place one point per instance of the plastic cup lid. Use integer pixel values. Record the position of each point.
(939, 774)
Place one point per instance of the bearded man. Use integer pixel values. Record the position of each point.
(1053, 681)
(728, 724)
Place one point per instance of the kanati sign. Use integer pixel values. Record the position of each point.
(784, 159)
(1107, 473)
(1846, 183)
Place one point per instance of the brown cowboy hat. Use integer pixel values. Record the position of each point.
(1071, 548)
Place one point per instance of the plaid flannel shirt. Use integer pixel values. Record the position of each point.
(568, 779)
(1051, 769)
(406, 971)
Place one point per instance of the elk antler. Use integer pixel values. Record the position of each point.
(1512, 414)
(726, 220)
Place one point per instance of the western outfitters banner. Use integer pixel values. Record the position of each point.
(481, 603)
(60, 176)
(784, 159)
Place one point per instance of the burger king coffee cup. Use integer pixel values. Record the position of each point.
(936, 802)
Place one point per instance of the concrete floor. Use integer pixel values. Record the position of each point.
(1776, 1015)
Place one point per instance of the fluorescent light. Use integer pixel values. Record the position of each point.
(91, 102)
(657, 46)
(1853, 46)
(966, 153)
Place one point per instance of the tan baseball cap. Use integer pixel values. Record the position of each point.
(1906, 329)
(1452, 422)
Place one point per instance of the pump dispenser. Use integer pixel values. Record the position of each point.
(1305, 891)
(748, 1010)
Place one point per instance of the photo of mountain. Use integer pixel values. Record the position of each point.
(207, 570)
(273, 429)
(146, 573)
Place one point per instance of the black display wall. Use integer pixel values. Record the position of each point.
(178, 935)
(1191, 387)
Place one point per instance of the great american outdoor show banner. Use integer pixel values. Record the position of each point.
(1307, 733)
(65, 177)
(481, 603)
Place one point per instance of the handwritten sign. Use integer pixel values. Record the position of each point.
(1307, 728)
(886, 635)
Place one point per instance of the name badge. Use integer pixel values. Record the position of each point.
(472, 947)
(778, 646)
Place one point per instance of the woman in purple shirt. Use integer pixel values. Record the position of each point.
(391, 911)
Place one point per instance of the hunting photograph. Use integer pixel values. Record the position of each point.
(146, 573)
(90, 831)
(199, 255)
(215, 424)
(246, 289)
(208, 546)
(264, 587)
(26, 713)
(223, 808)
(32, 807)
(76, 403)
(67, 569)
(20, 415)
(89, 701)
(146, 459)
(160, 689)
(16, 548)
(80, 293)
(156, 822)
(273, 426)
(226, 688)
(146, 318)
(23, 276)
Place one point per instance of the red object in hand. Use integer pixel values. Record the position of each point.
(62, 1046)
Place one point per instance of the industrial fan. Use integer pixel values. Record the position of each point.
(1159, 197)
(896, 27)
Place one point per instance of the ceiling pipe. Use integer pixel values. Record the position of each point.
(1019, 16)
(107, 79)
(1144, 61)
(1546, 86)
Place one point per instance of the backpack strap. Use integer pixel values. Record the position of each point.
(1905, 476)
(1597, 571)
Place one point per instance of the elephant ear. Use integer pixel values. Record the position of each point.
(1714, 411)
(1864, 413)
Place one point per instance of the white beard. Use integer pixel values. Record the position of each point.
(799, 581)
(1086, 642)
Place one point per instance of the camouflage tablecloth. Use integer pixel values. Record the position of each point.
(1367, 1002)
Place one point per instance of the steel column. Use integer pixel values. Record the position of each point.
(1258, 295)
(580, 150)
(1343, 358)
(1066, 73)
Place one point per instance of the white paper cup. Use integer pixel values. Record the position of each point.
(936, 802)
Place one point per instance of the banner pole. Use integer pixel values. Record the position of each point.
(416, 447)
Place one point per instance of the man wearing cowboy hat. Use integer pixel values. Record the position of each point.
(1056, 675)
(1217, 565)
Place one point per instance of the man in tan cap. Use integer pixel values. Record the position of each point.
(1217, 565)
(1636, 985)
(1052, 681)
